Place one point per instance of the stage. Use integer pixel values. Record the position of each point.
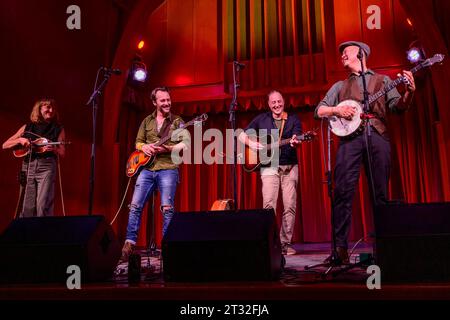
(295, 284)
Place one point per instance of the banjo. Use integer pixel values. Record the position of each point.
(347, 128)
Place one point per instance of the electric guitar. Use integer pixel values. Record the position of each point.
(348, 128)
(252, 160)
(138, 158)
(36, 146)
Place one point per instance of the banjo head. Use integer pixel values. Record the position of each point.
(343, 127)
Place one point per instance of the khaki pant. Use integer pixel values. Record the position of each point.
(287, 177)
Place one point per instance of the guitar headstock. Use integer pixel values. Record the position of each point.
(309, 135)
(195, 121)
(201, 118)
(437, 58)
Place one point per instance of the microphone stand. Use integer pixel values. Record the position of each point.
(232, 120)
(93, 100)
(368, 129)
(333, 260)
(368, 134)
(152, 249)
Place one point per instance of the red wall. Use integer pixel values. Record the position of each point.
(185, 48)
(41, 57)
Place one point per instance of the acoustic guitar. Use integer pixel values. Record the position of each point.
(222, 204)
(252, 159)
(139, 159)
(36, 146)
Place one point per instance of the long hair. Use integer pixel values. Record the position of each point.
(36, 115)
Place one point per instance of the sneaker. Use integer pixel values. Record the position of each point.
(287, 250)
(127, 249)
(290, 251)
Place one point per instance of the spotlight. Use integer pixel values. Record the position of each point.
(140, 74)
(414, 55)
(409, 22)
(137, 76)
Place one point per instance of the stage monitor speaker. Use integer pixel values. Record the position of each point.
(222, 246)
(413, 242)
(38, 250)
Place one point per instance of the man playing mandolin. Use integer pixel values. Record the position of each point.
(42, 139)
(352, 148)
(283, 172)
(162, 172)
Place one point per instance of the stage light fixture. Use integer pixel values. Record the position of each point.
(409, 22)
(138, 74)
(413, 55)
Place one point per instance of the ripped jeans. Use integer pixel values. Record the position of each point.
(148, 181)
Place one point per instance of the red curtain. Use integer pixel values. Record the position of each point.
(418, 138)
(415, 177)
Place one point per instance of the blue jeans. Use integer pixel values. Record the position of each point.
(148, 181)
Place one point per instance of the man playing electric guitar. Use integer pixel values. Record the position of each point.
(162, 173)
(283, 172)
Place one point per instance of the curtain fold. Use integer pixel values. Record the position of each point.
(415, 175)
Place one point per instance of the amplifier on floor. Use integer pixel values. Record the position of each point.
(413, 242)
(36, 250)
(222, 246)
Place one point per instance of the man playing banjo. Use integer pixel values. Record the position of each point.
(352, 147)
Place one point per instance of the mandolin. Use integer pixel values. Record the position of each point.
(36, 146)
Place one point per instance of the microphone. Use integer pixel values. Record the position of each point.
(111, 70)
(239, 65)
(360, 54)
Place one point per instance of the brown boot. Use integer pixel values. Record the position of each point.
(343, 255)
(127, 249)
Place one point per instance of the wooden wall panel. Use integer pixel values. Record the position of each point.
(191, 54)
(347, 20)
(388, 43)
(179, 51)
(208, 66)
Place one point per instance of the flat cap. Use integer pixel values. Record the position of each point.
(362, 45)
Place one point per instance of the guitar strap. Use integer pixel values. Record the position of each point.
(283, 121)
(164, 131)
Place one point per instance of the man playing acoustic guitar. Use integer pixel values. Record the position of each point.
(283, 172)
(162, 172)
(39, 165)
(352, 149)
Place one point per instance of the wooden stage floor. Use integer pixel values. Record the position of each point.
(295, 291)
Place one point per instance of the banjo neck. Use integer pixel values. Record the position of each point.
(396, 82)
